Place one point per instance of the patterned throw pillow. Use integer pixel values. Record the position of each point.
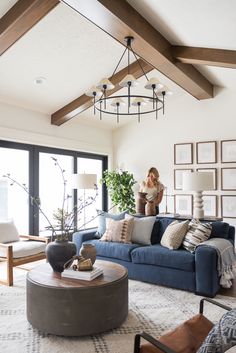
(222, 336)
(104, 216)
(118, 231)
(197, 233)
(174, 234)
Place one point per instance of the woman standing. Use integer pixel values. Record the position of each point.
(153, 187)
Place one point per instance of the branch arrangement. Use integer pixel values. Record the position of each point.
(65, 218)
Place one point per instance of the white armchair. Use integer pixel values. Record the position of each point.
(17, 249)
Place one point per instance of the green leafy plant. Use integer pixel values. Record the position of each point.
(120, 188)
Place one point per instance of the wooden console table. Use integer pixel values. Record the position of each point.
(184, 217)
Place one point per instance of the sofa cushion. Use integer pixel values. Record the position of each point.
(119, 231)
(102, 218)
(197, 233)
(142, 229)
(220, 230)
(160, 256)
(8, 232)
(113, 250)
(174, 234)
(25, 248)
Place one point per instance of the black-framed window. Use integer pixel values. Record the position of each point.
(33, 166)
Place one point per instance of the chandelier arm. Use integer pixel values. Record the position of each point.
(119, 62)
(138, 60)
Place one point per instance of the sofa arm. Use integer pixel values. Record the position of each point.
(83, 235)
(207, 278)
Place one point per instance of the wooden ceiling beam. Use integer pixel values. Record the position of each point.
(84, 102)
(21, 18)
(119, 19)
(205, 56)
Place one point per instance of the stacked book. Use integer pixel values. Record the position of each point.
(84, 275)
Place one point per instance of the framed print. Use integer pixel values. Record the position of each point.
(206, 152)
(228, 179)
(228, 151)
(183, 204)
(213, 170)
(178, 178)
(210, 205)
(228, 206)
(183, 153)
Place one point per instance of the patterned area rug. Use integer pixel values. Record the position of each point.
(152, 308)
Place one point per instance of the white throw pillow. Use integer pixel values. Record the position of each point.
(8, 232)
(174, 234)
(231, 350)
(142, 229)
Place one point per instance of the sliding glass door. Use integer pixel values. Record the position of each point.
(44, 172)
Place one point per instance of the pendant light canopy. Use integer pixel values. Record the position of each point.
(129, 104)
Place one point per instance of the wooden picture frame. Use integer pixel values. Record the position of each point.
(210, 205)
(228, 151)
(228, 206)
(178, 178)
(213, 170)
(183, 204)
(206, 152)
(228, 179)
(183, 153)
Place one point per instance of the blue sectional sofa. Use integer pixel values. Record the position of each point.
(194, 272)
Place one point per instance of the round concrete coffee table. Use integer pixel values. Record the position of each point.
(72, 307)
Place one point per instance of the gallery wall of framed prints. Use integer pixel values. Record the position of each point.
(218, 157)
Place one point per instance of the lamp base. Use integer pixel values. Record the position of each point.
(198, 211)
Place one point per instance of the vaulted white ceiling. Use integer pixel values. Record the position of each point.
(73, 54)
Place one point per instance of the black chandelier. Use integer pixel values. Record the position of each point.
(129, 104)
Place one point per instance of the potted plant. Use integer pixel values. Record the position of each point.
(60, 249)
(120, 189)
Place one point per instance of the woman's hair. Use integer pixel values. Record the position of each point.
(154, 171)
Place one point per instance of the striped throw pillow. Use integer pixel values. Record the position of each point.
(119, 231)
(197, 233)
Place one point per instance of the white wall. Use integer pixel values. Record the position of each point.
(21, 125)
(151, 143)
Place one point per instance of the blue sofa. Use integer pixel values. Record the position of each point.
(154, 263)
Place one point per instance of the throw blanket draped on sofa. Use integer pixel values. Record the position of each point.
(226, 259)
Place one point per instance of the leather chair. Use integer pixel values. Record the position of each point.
(17, 249)
(186, 338)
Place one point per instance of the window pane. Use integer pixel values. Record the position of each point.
(87, 217)
(14, 200)
(51, 186)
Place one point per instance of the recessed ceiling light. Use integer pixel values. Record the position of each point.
(40, 80)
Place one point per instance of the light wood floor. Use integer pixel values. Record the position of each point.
(231, 292)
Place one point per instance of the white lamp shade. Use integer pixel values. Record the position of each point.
(139, 101)
(197, 181)
(105, 82)
(84, 181)
(153, 83)
(118, 102)
(128, 78)
(93, 91)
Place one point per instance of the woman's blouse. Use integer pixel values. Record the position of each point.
(153, 192)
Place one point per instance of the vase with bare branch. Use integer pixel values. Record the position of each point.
(60, 249)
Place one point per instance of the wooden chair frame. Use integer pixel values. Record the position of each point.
(14, 262)
(162, 346)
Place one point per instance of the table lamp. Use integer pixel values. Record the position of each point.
(198, 182)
